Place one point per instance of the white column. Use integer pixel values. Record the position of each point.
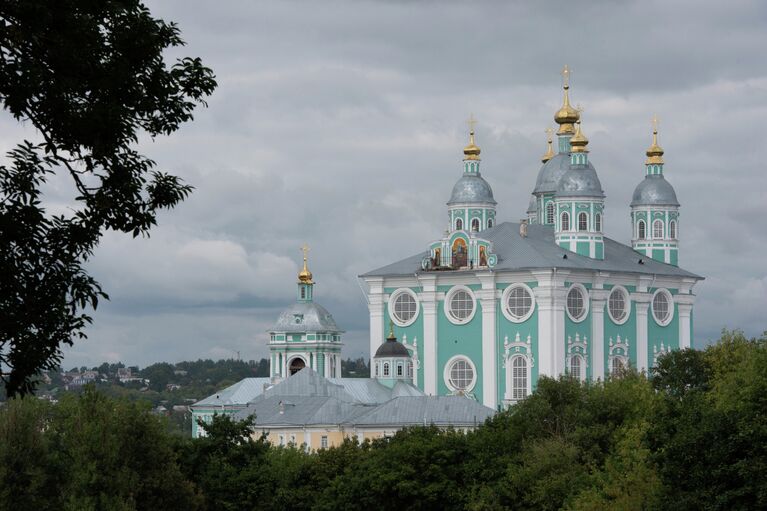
(597, 344)
(376, 308)
(642, 301)
(549, 296)
(428, 298)
(684, 308)
(338, 365)
(487, 298)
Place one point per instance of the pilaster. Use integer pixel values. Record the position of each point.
(642, 303)
(487, 299)
(376, 308)
(428, 297)
(598, 301)
(684, 306)
(550, 299)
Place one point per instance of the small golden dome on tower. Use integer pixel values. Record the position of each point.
(305, 276)
(579, 140)
(654, 152)
(471, 151)
(550, 151)
(567, 115)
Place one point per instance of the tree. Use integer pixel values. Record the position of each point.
(90, 77)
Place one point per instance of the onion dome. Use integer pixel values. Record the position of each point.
(654, 152)
(305, 317)
(567, 115)
(305, 276)
(654, 190)
(579, 140)
(551, 172)
(392, 347)
(580, 181)
(550, 150)
(471, 188)
(471, 151)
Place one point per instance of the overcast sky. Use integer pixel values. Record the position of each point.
(341, 124)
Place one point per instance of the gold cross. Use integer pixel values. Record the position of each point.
(305, 250)
(655, 121)
(549, 131)
(471, 122)
(566, 76)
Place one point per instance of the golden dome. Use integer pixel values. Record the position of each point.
(471, 151)
(654, 152)
(579, 140)
(567, 115)
(305, 276)
(550, 151)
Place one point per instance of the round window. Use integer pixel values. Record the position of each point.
(403, 307)
(518, 303)
(460, 375)
(577, 303)
(460, 306)
(662, 307)
(618, 305)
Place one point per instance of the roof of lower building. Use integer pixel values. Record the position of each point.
(240, 393)
(538, 250)
(426, 410)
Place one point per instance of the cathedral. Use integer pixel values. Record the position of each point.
(491, 306)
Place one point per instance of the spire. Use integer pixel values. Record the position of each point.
(654, 152)
(550, 150)
(567, 115)
(471, 151)
(305, 276)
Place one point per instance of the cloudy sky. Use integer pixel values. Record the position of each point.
(341, 124)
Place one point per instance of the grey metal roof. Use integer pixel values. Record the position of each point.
(654, 190)
(539, 251)
(426, 410)
(313, 318)
(392, 348)
(580, 181)
(472, 188)
(300, 410)
(551, 172)
(532, 207)
(240, 393)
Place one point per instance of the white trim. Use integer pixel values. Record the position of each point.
(390, 306)
(670, 299)
(448, 298)
(504, 302)
(627, 304)
(585, 296)
(446, 373)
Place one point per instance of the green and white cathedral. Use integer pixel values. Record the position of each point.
(491, 306)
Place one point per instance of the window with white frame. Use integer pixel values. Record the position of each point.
(282, 439)
(576, 364)
(489, 223)
(641, 234)
(565, 223)
(377, 370)
(550, 213)
(672, 229)
(458, 224)
(583, 222)
(577, 303)
(475, 225)
(618, 305)
(460, 305)
(400, 369)
(598, 222)
(324, 440)
(403, 307)
(410, 370)
(616, 366)
(657, 229)
(518, 303)
(518, 378)
(662, 307)
(386, 369)
(460, 375)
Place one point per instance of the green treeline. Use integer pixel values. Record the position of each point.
(692, 437)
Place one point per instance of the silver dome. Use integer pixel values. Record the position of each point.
(305, 317)
(580, 181)
(551, 172)
(533, 206)
(471, 188)
(654, 190)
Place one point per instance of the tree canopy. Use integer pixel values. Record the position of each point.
(91, 77)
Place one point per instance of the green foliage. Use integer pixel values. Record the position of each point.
(90, 77)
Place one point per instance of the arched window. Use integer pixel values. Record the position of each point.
(583, 222)
(598, 223)
(550, 213)
(565, 221)
(616, 366)
(475, 225)
(490, 223)
(657, 229)
(458, 224)
(386, 369)
(672, 230)
(575, 366)
(519, 378)
(641, 230)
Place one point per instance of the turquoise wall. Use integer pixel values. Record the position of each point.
(669, 334)
(412, 331)
(627, 329)
(505, 327)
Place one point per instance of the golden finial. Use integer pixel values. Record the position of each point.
(471, 151)
(579, 140)
(391, 336)
(566, 115)
(654, 152)
(305, 276)
(550, 151)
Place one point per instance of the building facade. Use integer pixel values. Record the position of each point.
(490, 307)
